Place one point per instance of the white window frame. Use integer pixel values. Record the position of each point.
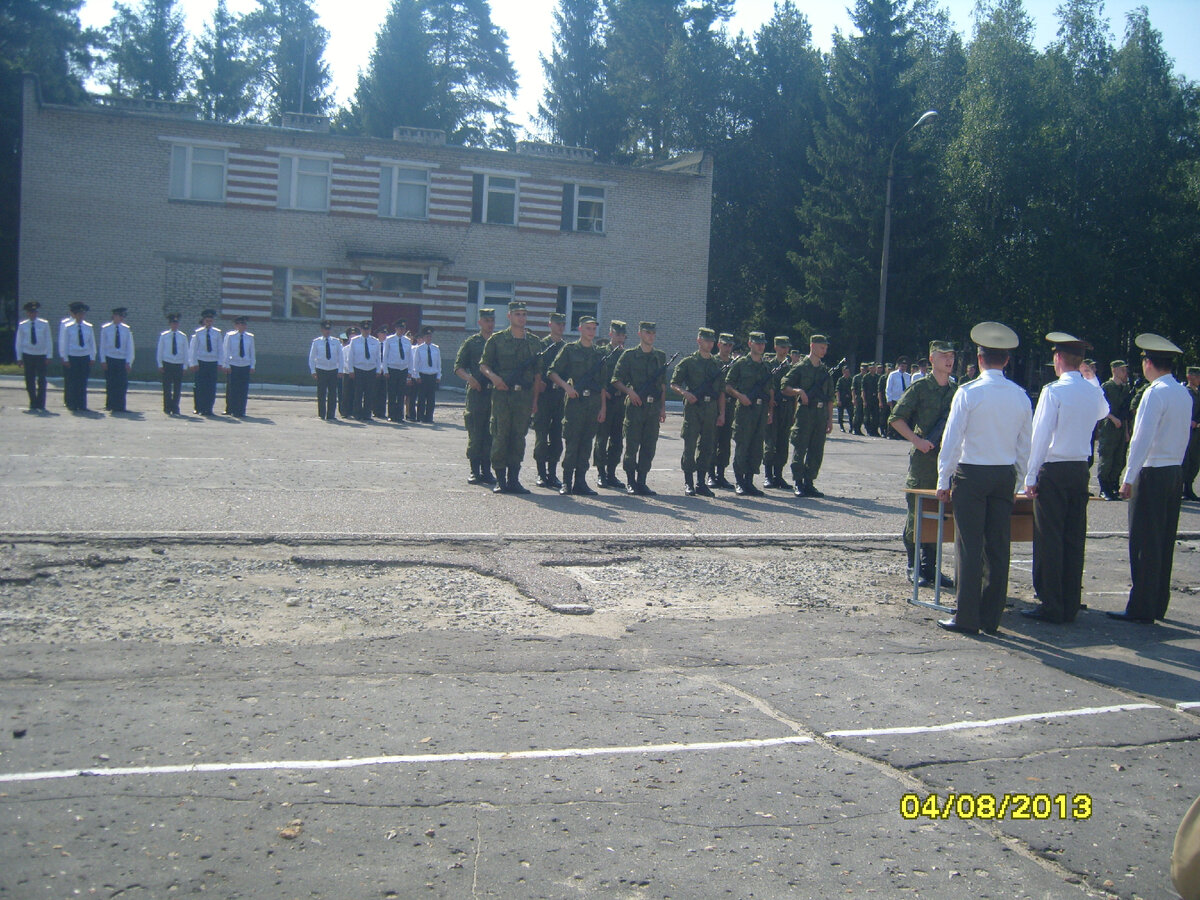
(487, 197)
(294, 162)
(570, 310)
(492, 294)
(392, 172)
(580, 199)
(188, 164)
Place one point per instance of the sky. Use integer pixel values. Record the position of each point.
(353, 24)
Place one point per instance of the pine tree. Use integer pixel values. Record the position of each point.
(147, 51)
(224, 73)
(288, 53)
(576, 106)
(397, 87)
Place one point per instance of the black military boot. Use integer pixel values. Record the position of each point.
(811, 489)
(485, 473)
(643, 488)
(580, 486)
(689, 484)
(601, 476)
(768, 476)
(710, 480)
(613, 480)
(703, 489)
(631, 485)
(551, 478)
(542, 480)
(780, 481)
(739, 483)
(798, 489)
(722, 481)
(564, 486)
(501, 485)
(474, 477)
(514, 484)
(749, 488)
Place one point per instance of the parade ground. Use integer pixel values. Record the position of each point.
(279, 657)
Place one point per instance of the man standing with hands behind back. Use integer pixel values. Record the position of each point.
(34, 349)
(985, 449)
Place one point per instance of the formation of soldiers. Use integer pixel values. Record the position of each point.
(602, 404)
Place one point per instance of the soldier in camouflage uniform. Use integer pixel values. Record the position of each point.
(641, 375)
(845, 399)
(749, 383)
(576, 370)
(510, 363)
(920, 417)
(548, 421)
(812, 385)
(700, 381)
(775, 443)
(871, 399)
(1113, 430)
(477, 408)
(608, 436)
(722, 454)
(860, 406)
(1191, 462)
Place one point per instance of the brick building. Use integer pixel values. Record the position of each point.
(147, 207)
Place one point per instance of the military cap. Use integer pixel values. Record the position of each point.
(587, 320)
(120, 310)
(782, 340)
(725, 337)
(647, 326)
(1118, 364)
(325, 323)
(864, 365)
(1090, 362)
(428, 329)
(994, 336)
(1193, 370)
(516, 306)
(1155, 344)
(941, 347)
(487, 312)
(558, 317)
(922, 362)
(240, 320)
(32, 306)
(1069, 343)
(757, 337)
(902, 360)
(707, 333)
(208, 314)
(616, 326)
(172, 317)
(818, 339)
(78, 307)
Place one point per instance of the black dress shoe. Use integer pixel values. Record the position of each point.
(922, 581)
(1039, 614)
(945, 580)
(704, 490)
(951, 625)
(1126, 617)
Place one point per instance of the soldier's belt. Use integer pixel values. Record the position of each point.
(820, 404)
(649, 400)
(517, 387)
(705, 398)
(585, 393)
(758, 402)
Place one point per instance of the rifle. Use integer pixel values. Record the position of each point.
(755, 393)
(608, 388)
(588, 382)
(519, 371)
(643, 389)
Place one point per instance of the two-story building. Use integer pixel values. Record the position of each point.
(141, 205)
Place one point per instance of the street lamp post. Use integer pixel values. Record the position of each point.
(887, 235)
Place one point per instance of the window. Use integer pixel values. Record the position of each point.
(494, 200)
(575, 302)
(298, 294)
(398, 282)
(583, 208)
(493, 294)
(303, 183)
(197, 173)
(403, 192)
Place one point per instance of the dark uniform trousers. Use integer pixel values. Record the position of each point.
(609, 435)
(35, 379)
(364, 388)
(172, 386)
(1153, 524)
(327, 391)
(204, 387)
(775, 441)
(1112, 455)
(749, 429)
(349, 397)
(983, 500)
(426, 395)
(548, 427)
(477, 415)
(1191, 460)
(382, 386)
(699, 436)
(116, 384)
(580, 426)
(1059, 530)
(511, 412)
(859, 418)
(75, 382)
(724, 449)
(808, 442)
(922, 474)
(237, 390)
(397, 392)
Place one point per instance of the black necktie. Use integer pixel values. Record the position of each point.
(429, 355)
(400, 344)
(367, 347)
(33, 332)
(242, 346)
(208, 339)
(117, 342)
(328, 353)
(81, 343)
(174, 346)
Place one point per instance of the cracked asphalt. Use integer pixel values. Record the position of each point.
(285, 658)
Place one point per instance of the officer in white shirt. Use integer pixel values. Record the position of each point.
(985, 447)
(206, 354)
(116, 359)
(77, 347)
(365, 355)
(325, 361)
(427, 365)
(1153, 480)
(347, 397)
(34, 348)
(172, 358)
(897, 383)
(240, 362)
(922, 370)
(397, 363)
(1057, 480)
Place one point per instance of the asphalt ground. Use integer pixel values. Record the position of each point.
(750, 710)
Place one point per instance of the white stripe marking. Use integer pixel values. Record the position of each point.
(1188, 705)
(993, 723)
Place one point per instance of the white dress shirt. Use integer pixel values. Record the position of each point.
(172, 350)
(364, 352)
(317, 358)
(990, 424)
(70, 335)
(897, 384)
(1161, 428)
(917, 376)
(27, 329)
(108, 342)
(239, 349)
(427, 360)
(1067, 412)
(202, 339)
(397, 352)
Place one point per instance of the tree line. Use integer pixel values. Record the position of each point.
(1057, 188)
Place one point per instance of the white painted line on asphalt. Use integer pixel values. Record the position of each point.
(568, 753)
(994, 723)
(1189, 705)
(507, 536)
(420, 759)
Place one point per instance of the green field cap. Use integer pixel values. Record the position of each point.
(707, 334)
(758, 337)
(616, 326)
(725, 338)
(487, 313)
(587, 320)
(558, 318)
(782, 340)
(940, 347)
(516, 306)
(647, 326)
(818, 339)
